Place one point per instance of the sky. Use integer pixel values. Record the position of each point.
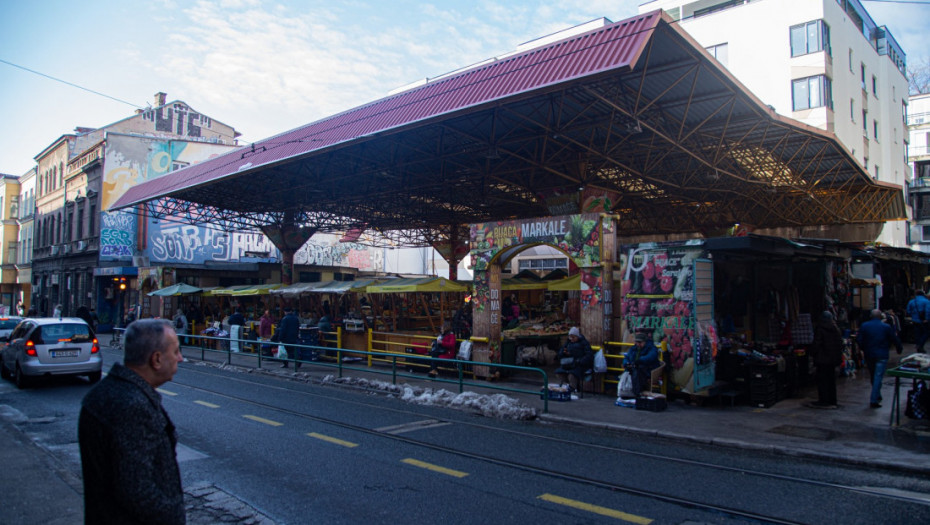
(268, 66)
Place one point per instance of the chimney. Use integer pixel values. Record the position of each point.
(160, 99)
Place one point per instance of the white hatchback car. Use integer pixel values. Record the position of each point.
(51, 346)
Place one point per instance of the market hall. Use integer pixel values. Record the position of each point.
(630, 125)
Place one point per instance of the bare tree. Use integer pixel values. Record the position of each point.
(918, 76)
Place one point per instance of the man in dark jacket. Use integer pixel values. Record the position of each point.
(288, 333)
(875, 339)
(126, 438)
(640, 361)
(827, 353)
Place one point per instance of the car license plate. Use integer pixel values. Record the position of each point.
(66, 353)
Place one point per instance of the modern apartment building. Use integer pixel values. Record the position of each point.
(825, 63)
(918, 123)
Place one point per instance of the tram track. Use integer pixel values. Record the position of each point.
(885, 496)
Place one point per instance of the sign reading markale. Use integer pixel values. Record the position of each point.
(576, 235)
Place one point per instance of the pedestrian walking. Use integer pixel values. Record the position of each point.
(875, 338)
(918, 310)
(126, 438)
(827, 354)
(180, 325)
(288, 332)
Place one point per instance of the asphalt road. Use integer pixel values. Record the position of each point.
(302, 453)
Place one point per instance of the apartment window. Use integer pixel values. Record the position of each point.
(809, 38)
(865, 123)
(91, 221)
(80, 224)
(720, 52)
(874, 85)
(926, 233)
(876, 171)
(875, 130)
(850, 60)
(811, 92)
(862, 76)
(852, 110)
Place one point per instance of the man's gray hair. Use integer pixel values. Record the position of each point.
(143, 338)
(877, 314)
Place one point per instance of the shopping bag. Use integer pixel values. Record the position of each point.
(464, 351)
(918, 402)
(281, 352)
(600, 362)
(625, 386)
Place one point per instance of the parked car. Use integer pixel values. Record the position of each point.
(51, 346)
(7, 324)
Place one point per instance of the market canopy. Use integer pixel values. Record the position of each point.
(255, 289)
(522, 283)
(341, 287)
(296, 288)
(568, 284)
(420, 284)
(175, 289)
(635, 113)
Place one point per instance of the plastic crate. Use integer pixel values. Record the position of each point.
(653, 403)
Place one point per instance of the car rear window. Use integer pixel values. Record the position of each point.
(53, 333)
(8, 324)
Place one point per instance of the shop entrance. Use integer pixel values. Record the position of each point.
(588, 239)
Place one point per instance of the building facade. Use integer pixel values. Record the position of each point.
(9, 231)
(27, 208)
(825, 63)
(918, 121)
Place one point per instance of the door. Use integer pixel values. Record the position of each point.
(705, 336)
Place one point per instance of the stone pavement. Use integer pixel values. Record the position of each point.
(852, 434)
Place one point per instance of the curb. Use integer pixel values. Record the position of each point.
(745, 445)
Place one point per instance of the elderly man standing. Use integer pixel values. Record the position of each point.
(875, 339)
(126, 438)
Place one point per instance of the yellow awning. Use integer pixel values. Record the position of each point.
(420, 284)
(568, 284)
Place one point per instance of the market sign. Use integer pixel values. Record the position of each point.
(576, 235)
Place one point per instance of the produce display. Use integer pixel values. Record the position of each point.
(546, 326)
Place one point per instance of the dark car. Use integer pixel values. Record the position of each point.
(7, 324)
(51, 346)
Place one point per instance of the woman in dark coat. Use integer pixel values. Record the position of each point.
(827, 354)
(576, 358)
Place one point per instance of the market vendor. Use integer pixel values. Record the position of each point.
(640, 361)
(576, 358)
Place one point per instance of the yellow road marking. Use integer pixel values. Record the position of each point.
(333, 440)
(434, 468)
(208, 405)
(596, 509)
(262, 420)
(166, 392)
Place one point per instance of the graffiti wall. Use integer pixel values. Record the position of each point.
(184, 243)
(117, 236)
(131, 160)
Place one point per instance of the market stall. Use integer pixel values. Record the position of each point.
(413, 304)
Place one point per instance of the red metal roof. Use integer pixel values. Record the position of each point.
(609, 48)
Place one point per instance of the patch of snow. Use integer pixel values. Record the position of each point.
(490, 405)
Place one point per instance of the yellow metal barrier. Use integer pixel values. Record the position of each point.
(663, 347)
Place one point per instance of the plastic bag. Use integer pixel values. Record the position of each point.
(281, 352)
(625, 386)
(600, 362)
(464, 351)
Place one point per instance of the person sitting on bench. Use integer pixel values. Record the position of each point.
(443, 345)
(640, 360)
(576, 358)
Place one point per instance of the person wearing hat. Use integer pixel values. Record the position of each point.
(575, 357)
(640, 360)
(288, 333)
(827, 354)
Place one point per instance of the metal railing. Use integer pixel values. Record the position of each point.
(394, 364)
